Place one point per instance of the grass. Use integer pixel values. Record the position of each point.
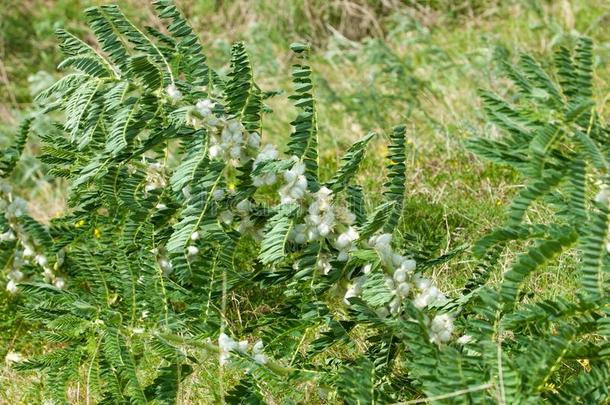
(424, 72)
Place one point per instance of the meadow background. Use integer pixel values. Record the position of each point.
(376, 64)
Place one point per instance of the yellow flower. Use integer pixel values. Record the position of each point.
(97, 233)
(80, 223)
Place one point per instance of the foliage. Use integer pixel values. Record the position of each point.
(174, 211)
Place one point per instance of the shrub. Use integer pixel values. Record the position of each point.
(190, 250)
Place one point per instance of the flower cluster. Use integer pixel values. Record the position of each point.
(26, 249)
(440, 328)
(227, 345)
(267, 153)
(295, 185)
(155, 178)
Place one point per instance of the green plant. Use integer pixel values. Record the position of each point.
(176, 243)
(170, 195)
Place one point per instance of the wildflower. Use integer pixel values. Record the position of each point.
(11, 287)
(354, 289)
(395, 305)
(254, 140)
(465, 339)
(16, 275)
(345, 241)
(28, 251)
(59, 283)
(165, 265)
(204, 107)
(403, 290)
(603, 197)
(195, 235)
(48, 274)
(257, 350)
(41, 260)
(441, 328)
(192, 250)
(7, 236)
(323, 264)
(226, 345)
(173, 92)
(161, 206)
(296, 184)
(428, 296)
(267, 153)
(321, 215)
(13, 357)
(299, 234)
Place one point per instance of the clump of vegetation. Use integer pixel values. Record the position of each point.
(193, 247)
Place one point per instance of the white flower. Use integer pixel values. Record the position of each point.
(268, 152)
(441, 328)
(214, 151)
(382, 245)
(59, 283)
(192, 250)
(345, 242)
(603, 197)
(204, 107)
(465, 339)
(161, 206)
(429, 296)
(323, 264)
(173, 92)
(11, 287)
(400, 275)
(7, 236)
(260, 358)
(299, 234)
(235, 152)
(48, 274)
(41, 260)
(28, 251)
(254, 140)
(195, 235)
(354, 289)
(242, 346)
(403, 289)
(394, 305)
(265, 179)
(226, 343)
(226, 346)
(16, 275)
(13, 357)
(257, 350)
(165, 265)
(296, 184)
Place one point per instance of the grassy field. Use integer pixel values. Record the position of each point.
(377, 64)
